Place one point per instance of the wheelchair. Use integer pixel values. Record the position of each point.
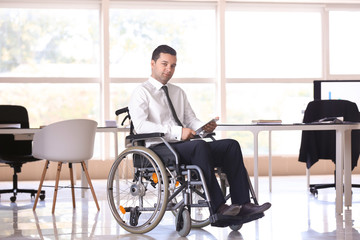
(142, 185)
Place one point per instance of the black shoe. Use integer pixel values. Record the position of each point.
(248, 209)
(248, 212)
(227, 210)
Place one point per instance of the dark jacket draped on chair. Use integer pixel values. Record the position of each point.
(317, 145)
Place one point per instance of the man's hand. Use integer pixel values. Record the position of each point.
(187, 134)
(210, 127)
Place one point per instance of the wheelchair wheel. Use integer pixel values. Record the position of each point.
(137, 189)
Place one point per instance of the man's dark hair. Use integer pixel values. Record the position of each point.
(162, 49)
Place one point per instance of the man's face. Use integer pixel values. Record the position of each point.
(164, 68)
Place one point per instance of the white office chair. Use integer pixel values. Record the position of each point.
(70, 141)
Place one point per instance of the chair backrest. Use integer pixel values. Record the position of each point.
(13, 114)
(319, 109)
(317, 145)
(66, 141)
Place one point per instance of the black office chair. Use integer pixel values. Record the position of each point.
(316, 145)
(16, 152)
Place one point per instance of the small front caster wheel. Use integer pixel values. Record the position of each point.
(235, 227)
(183, 222)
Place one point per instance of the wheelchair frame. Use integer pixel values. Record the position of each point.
(140, 189)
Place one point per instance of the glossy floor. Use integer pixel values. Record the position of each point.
(295, 214)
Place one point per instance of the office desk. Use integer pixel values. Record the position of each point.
(28, 133)
(343, 151)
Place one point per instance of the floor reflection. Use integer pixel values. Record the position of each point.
(65, 225)
(10, 222)
(295, 214)
(322, 227)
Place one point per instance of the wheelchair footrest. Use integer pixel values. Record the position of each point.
(218, 220)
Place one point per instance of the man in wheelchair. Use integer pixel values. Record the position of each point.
(159, 106)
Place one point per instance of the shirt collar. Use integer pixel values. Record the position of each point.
(156, 83)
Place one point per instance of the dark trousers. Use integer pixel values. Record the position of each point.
(224, 153)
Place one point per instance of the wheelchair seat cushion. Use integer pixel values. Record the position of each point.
(162, 151)
(165, 154)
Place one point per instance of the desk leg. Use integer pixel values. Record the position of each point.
(116, 144)
(256, 163)
(347, 169)
(339, 170)
(270, 163)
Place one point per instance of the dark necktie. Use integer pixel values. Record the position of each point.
(171, 105)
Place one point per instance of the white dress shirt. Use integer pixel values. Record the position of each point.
(150, 111)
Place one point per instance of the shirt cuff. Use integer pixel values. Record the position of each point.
(176, 133)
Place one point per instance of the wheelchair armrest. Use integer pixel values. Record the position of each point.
(138, 137)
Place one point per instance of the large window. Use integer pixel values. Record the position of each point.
(49, 42)
(273, 44)
(344, 42)
(42, 45)
(135, 33)
(251, 101)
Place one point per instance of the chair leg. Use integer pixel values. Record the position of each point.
(56, 185)
(41, 183)
(72, 184)
(90, 184)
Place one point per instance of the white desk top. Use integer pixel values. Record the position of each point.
(278, 127)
